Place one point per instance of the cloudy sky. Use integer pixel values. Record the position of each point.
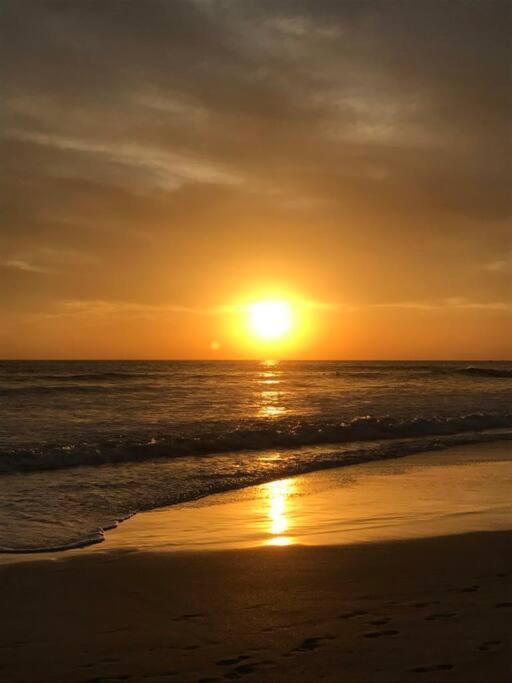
(163, 160)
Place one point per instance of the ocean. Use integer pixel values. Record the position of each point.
(84, 445)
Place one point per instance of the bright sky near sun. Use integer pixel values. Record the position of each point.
(272, 325)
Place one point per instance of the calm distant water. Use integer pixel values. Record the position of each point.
(85, 444)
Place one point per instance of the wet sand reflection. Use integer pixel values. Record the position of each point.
(278, 493)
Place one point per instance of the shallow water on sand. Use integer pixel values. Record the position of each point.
(461, 490)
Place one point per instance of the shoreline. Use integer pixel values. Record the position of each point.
(385, 500)
(174, 517)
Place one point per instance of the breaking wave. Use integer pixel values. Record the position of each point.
(223, 437)
(487, 372)
(24, 380)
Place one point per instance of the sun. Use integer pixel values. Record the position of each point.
(270, 320)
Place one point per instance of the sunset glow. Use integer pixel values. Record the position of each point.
(306, 184)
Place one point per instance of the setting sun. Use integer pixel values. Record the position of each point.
(269, 320)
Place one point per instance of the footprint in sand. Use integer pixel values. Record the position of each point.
(426, 604)
(242, 670)
(378, 634)
(440, 615)
(185, 617)
(232, 661)
(311, 643)
(109, 679)
(351, 615)
(434, 667)
(490, 645)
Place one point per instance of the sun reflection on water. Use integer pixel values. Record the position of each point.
(272, 411)
(281, 540)
(270, 401)
(276, 493)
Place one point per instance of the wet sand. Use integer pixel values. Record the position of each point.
(453, 491)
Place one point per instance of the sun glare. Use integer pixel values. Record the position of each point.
(270, 320)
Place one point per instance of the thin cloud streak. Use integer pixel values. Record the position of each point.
(455, 303)
(172, 169)
(26, 266)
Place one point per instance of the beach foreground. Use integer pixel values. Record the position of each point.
(428, 610)
(390, 571)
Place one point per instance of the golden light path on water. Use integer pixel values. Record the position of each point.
(270, 398)
(276, 492)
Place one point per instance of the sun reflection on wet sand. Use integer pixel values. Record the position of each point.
(278, 493)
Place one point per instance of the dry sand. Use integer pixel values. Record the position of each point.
(424, 610)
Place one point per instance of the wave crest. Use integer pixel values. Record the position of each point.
(475, 371)
(224, 437)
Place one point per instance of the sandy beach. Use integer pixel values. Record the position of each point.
(409, 609)
(425, 610)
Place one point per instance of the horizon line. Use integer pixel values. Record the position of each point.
(251, 360)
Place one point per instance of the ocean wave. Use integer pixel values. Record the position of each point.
(93, 376)
(476, 371)
(84, 377)
(49, 390)
(252, 436)
(37, 382)
(104, 380)
(423, 371)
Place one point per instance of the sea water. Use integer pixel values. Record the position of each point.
(83, 445)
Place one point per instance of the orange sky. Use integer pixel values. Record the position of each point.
(164, 161)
